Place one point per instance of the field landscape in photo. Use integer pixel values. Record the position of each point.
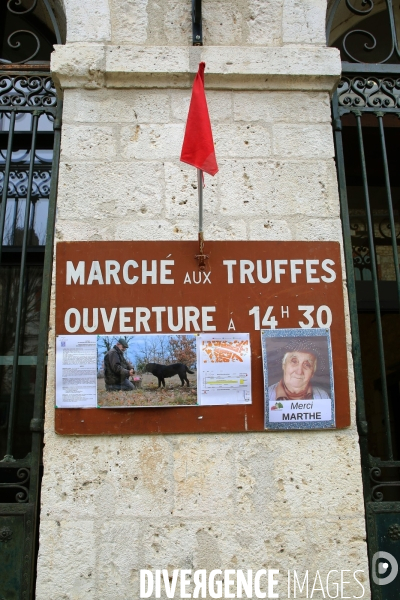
(164, 350)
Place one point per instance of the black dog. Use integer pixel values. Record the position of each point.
(163, 371)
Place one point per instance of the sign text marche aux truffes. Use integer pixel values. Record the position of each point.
(146, 272)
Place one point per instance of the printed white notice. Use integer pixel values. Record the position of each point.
(224, 368)
(300, 411)
(76, 371)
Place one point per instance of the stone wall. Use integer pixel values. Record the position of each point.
(225, 22)
(285, 500)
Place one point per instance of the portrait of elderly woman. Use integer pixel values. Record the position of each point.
(299, 368)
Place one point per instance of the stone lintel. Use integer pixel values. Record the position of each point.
(291, 67)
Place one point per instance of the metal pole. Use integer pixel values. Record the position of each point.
(17, 339)
(390, 203)
(200, 194)
(362, 425)
(381, 351)
(201, 257)
(7, 169)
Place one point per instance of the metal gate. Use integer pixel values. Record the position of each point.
(30, 118)
(366, 121)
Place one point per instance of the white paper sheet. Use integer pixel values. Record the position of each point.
(300, 411)
(224, 368)
(76, 371)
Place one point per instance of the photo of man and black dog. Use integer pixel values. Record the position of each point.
(146, 370)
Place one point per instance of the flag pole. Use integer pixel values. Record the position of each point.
(198, 148)
(201, 257)
(200, 194)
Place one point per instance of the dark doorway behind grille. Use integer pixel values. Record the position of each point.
(367, 137)
(29, 152)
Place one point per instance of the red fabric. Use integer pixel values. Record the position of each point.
(198, 144)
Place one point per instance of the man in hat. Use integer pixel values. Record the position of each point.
(117, 368)
(299, 365)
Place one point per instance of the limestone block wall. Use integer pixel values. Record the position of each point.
(225, 22)
(121, 149)
(287, 500)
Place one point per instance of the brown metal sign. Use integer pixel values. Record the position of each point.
(156, 287)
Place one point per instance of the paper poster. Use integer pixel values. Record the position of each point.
(152, 370)
(298, 379)
(76, 371)
(163, 370)
(224, 368)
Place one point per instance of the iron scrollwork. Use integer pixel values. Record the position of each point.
(372, 43)
(367, 47)
(17, 8)
(18, 184)
(369, 93)
(17, 190)
(361, 258)
(378, 485)
(22, 495)
(363, 11)
(11, 7)
(17, 44)
(27, 91)
(385, 229)
(22, 10)
(382, 240)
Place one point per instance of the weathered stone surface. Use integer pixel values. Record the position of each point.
(177, 23)
(72, 578)
(89, 142)
(259, 67)
(119, 549)
(152, 142)
(129, 21)
(245, 187)
(123, 107)
(304, 188)
(264, 22)
(304, 22)
(225, 228)
(78, 229)
(78, 65)
(222, 23)
(319, 229)
(224, 496)
(132, 190)
(181, 192)
(280, 107)
(84, 25)
(219, 105)
(270, 229)
(303, 141)
(235, 22)
(242, 141)
(198, 465)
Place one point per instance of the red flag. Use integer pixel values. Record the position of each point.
(198, 144)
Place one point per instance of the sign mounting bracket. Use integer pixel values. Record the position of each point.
(197, 23)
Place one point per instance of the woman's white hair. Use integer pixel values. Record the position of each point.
(305, 352)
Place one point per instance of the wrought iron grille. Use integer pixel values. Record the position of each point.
(28, 30)
(28, 114)
(367, 135)
(369, 94)
(366, 117)
(365, 31)
(30, 118)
